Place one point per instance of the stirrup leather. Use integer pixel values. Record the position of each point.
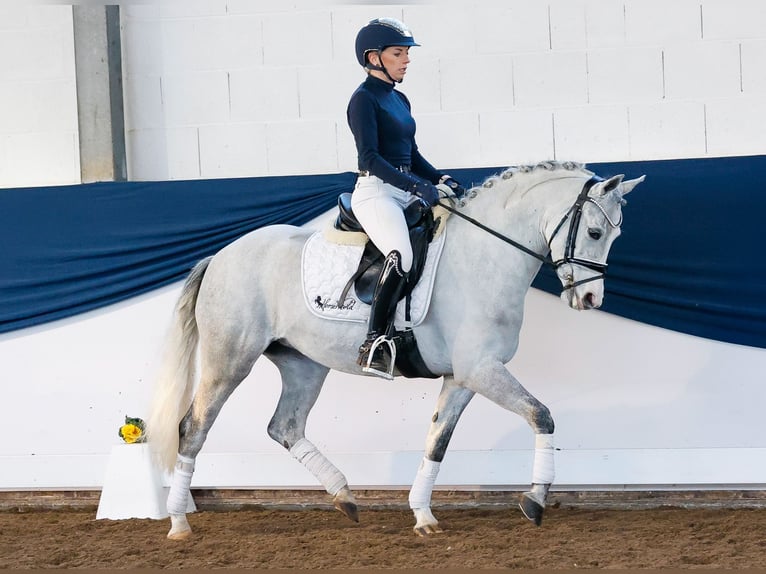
(367, 366)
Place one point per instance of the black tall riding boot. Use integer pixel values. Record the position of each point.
(377, 354)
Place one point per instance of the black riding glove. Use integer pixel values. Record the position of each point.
(454, 185)
(426, 191)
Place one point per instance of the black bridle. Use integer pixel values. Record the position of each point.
(573, 214)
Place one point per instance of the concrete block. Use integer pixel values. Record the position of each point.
(735, 126)
(39, 158)
(733, 19)
(483, 82)
(549, 79)
(510, 26)
(753, 70)
(604, 23)
(197, 44)
(36, 53)
(262, 94)
(142, 46)
(163, 154)
(667, 130)
(233, 150)
(302, 147)
(702, 70)
(514, 137)
(591, 133)
(449, 31)
(143, 102)
(449, 140)
(660, 23)
(42, 106)
(624, 74)
(567, 22)
(297, 38)
(195, 98)
(244, 41)
(192, 9)
(324, 91)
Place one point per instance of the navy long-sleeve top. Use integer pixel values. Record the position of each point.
(384, 131)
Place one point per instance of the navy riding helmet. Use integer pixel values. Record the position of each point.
(378, 35)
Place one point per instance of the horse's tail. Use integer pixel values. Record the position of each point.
(175, 382)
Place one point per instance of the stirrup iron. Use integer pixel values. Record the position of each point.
(368, 368)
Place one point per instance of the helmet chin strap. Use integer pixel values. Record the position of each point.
(381, 68)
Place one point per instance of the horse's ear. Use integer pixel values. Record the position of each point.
(627, 186)
(611, 184)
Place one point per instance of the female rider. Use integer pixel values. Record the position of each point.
(392, 174)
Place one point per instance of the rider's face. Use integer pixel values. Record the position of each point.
(395, 60)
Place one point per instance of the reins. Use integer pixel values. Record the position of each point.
(569, 257)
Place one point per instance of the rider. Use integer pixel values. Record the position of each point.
(392, 173)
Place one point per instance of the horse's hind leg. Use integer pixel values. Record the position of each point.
(216, 385)
(302, 380)
(449, 406)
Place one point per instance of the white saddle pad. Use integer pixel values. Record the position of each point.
(327, 266)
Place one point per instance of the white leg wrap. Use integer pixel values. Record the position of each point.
(178, 497)
(423, 485)
(543, 469)
(329, 476)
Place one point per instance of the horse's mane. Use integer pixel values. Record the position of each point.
(539, 171)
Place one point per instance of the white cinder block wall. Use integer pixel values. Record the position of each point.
(260, 88)
(38, 97)
(230, 88)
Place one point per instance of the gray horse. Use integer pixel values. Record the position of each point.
(246, 301)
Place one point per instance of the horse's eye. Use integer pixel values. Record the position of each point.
(594, 233)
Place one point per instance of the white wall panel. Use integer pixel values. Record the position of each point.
(731, 19)
(620, 75)
(736, 123)
(264, 94)
(667, 130)
(195, 98)
(486, 86)
(302, 147)
(595, 133)
(297, 38)
(661, 23)
(511, 26)
(450, 140)
(513, 137)
(702, 70)
(604, 23)
(567, 23)
(753, 69)
(550, 79)
(233, 150)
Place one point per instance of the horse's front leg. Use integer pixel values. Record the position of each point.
(449, 406)
(492, 380)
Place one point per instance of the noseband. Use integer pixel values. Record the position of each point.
(574, 215)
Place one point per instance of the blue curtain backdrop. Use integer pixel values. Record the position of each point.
(689, 258)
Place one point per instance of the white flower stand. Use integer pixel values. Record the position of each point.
(133, 486)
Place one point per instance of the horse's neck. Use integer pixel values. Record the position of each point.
(522, 207)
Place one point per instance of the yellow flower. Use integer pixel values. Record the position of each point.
(130, 433)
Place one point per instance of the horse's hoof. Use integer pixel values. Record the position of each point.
(427, 529)
(532, 509)
(183, 535)
(345, 502)
(179, 527)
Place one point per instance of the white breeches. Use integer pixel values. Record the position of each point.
(379, 207)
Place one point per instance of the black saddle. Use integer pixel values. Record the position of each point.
(420, 221)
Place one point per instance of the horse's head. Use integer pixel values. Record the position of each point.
(581, 239)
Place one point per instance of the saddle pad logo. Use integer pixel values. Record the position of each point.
(327, 266)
